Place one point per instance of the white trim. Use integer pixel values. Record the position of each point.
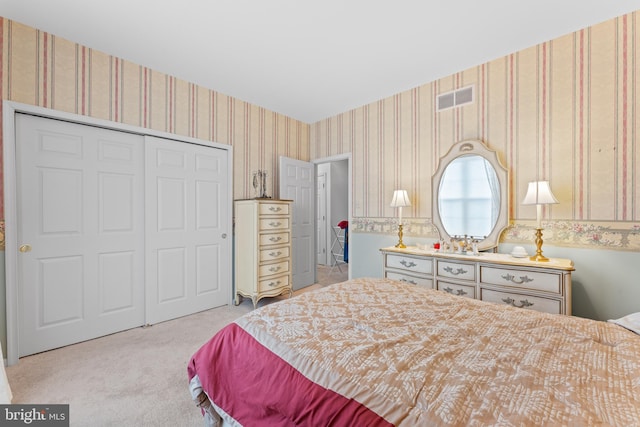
(345, 156)
(10, 230)
(10, 196)
(10, 108)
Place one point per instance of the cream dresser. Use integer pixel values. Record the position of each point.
(498, 278)
(263, 266)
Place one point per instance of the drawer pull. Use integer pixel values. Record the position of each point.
(275, 208)
(275, 254)
(273, 284)
(275, 224)
(511, 277)
(274, 269)
(458, 292)
(408, 264)
(408, 281)
(523, 302)
(455, 272)
(275, 239)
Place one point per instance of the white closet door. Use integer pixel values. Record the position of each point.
(81, 232)
(188, 254)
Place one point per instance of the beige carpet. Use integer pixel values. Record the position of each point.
(133, 378)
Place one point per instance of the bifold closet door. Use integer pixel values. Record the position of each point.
(80, 204)
(116, 230)
(188, 263)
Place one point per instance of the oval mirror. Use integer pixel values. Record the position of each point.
(470, 194)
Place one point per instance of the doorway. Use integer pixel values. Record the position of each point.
(333, 213)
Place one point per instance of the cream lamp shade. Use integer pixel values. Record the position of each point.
(400, 199)
(539, 193)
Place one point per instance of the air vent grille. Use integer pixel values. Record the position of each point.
(446, 101)
(455, 98)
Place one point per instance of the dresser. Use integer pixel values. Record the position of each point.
(263, 266)
(493, 277)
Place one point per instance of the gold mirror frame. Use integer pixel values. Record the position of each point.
(465, 148)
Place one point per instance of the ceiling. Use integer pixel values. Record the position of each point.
(311, 60)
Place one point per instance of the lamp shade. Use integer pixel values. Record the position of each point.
(400, 199)
(539, 193)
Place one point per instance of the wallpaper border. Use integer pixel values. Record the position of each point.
(621, 236)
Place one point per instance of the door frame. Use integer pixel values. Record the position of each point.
(10, 109)
(323, 241)
(338, 157)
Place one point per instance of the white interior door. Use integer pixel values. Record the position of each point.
(188, 254)
(297, 183)
(80, 195)
(321, 218)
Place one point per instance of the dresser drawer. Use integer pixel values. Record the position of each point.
(273, 209)
(546, 305)
(268, 224)
(275, 268)
(427, 282)
(273, 284)
(540, 281)
(274, 238)
(467, 291)
(274, 253)
(418, 265)
(456, 270)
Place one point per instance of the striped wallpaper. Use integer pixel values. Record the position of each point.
(38, 68)
(567, 111)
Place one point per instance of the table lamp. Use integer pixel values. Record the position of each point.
(400, 200)
(539, 193)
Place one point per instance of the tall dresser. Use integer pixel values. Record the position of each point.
(263, 256)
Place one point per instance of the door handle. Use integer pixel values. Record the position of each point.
(25, 248)
(224, 235)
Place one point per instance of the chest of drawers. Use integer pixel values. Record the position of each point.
(263, 266)
(498, 278)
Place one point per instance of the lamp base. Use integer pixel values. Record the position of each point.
(400, 244)
(538, 256)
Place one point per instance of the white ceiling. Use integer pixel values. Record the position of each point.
(311, 60)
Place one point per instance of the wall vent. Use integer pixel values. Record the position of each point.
(455, 98)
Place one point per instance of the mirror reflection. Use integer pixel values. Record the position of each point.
(469, 197)
(469, 194)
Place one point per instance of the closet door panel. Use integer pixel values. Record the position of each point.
(187, 241)
(81, 228)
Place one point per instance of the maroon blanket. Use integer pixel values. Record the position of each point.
(258, 388)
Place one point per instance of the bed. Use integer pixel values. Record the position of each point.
(379, 352)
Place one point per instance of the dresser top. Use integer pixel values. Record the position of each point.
(263, 199)
(489, 257)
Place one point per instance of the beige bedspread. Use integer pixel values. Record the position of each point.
(422, 357)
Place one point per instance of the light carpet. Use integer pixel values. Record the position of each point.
(133, 378)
